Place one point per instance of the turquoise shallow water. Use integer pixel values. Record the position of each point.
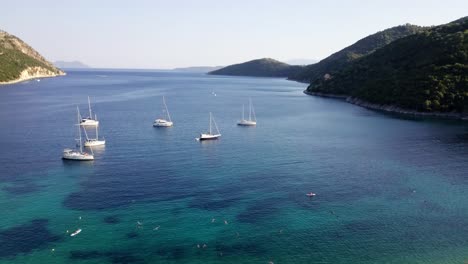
(389, 190)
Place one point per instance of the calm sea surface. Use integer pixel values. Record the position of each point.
(389, 190)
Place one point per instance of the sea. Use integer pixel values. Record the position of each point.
(389, 189)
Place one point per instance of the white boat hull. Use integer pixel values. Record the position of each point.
(162, 123)
(209, 136)
(76, 232)
(89, 122)
(247, 123)
(93, 143)
(75, 155)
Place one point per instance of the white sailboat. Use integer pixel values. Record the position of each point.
(92, 142)
(89, 121)
(250, 121)
(161, 122)
(209, 135)
(77, 154)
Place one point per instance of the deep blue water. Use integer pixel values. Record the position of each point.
(389, 189)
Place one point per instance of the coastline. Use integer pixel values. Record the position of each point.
(391, 108)
(336, 96)
(33, 73)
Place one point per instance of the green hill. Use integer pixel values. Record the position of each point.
(18, 61)
(265, 67)
(427, 72)
(363, 47)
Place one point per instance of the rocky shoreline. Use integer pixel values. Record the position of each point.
(391, 108)
(337, 96)
(34, 73)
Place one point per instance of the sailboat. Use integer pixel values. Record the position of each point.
(78, 154)
(250, 121)
(91, 142)
(209, 135)
(89, 121)
(161, 122)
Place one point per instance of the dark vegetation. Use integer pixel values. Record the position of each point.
(265, 67)
(426, 71)
(365, 46)
(16, 56)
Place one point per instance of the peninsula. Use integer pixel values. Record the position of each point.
(20, 62)
(424, 74)
(265, 67)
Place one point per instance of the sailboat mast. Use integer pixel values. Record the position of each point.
(243, 112)
(97, 137)
(167, 111)
(79, 127)
(89, 106)
(250, 109)
(210, 123)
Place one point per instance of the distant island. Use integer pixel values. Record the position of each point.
(200, 69)
(70, 65)
(425, 73)
(20, 62)
(265, 67)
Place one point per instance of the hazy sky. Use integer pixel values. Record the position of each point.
(175, 33)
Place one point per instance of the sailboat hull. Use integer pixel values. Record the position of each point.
(89, 122)
(208, 137)
(247, 123)
(93, 143)
(162, 123)
(78, 156)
